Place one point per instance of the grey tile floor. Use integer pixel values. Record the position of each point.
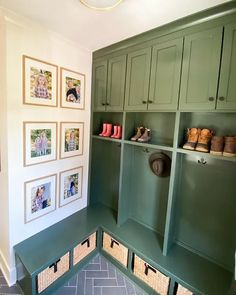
(98, 277)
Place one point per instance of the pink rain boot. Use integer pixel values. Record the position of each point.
(104, 129)
(108, 131)
(115, 131)
(119, 133)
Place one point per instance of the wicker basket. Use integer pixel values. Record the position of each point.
(49, 275)
(183, 291)
(84, 248)
(152, 277)
(115, 249)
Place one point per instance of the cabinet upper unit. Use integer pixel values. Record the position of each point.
(194, 72)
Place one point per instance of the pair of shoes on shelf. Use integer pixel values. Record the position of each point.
(107, 131)
(198, 139)
(142, 135)
(225, 146)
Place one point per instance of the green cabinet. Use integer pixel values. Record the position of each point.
(165, 75)
(137, 80)
(200, 69)
(109, 84)
(99, 85)
(227, 85)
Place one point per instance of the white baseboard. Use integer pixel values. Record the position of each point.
(9, 274)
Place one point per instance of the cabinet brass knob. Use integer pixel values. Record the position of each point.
(144, 102)
(103, 104)
(211, 98)
(150, 101)
(107, 103)
(221, 98)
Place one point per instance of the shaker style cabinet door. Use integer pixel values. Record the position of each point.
(227, 85)
(200, 70)
(100, 85)
(116, 83)
(165, 75)
(137, 79)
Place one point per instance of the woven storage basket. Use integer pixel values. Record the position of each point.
(115, 249)
(49, 275)
(84, 248)
(152, 277)
(183, 291)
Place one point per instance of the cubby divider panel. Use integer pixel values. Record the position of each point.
(205, 208)
(105, 173)
(161, 124)
(144, 194)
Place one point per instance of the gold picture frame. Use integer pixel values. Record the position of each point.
(39, 142)
(71, 139)
(40, 196)
(72, 89)
(71, 183)
(40, 82)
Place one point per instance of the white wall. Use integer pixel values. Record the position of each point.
(24, 37)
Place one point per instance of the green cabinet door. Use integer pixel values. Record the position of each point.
(165, 75)
(200, 70)
(137, 79)
(227, 85)
(99, 85)
(116, 83)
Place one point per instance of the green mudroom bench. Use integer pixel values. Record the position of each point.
(41, 251)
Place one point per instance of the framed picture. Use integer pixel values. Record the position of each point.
(70, 185)
(72, 134)
(40, 142)
(40, 197)
(72, 89)
(40, 82)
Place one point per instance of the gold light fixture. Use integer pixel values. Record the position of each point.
(101, 4)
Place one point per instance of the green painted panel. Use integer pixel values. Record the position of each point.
(116, 83)
(201, 60)
(105, 172)
(205, 209)
(165, 75)
(227, 86)
(137, 79)
(99, 85)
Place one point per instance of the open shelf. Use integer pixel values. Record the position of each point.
(149, 145)
(205, 208)
(223, 124)
(206, 155)
(114, 118)
(106, 138)
(161, 125)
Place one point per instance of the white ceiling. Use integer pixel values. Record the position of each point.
(93, 29)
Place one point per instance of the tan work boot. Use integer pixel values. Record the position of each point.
(140, 131)
(146, 137)
(204, 140)
(193, 134)
(230, 146)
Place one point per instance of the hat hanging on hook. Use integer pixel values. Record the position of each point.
(160, 164)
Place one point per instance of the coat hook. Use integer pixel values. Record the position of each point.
(146, 150)
(202, 161)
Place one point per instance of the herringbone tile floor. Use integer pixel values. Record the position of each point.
(99, 277)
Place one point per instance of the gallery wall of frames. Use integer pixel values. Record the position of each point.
(45, 194)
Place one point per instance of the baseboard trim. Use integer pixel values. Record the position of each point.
(9, 273)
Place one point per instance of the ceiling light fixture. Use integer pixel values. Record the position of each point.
(101, 4)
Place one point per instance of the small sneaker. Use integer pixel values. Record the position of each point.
(192, 138)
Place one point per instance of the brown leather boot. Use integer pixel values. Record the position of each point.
(204, 140)
(140, 131)
(193, 134)
(146, 136)
(230, 146)
(217, 145)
